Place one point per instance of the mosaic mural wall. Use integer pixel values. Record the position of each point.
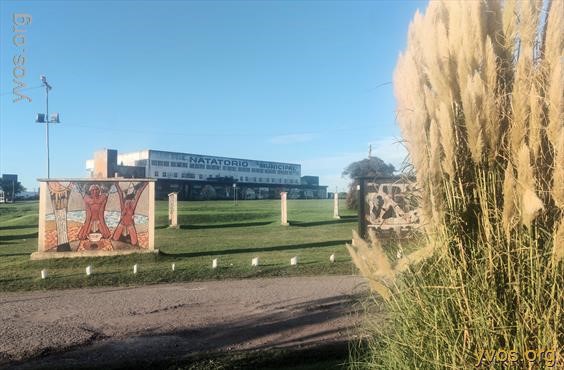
(87, 215)
(391, 207)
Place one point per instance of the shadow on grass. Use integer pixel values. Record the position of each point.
(2, 242)
(15, 227)
(217, 226)
(257, 250)
(13, 254)
(19, 236)
(320, 223)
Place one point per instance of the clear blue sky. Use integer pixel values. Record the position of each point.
(289, 81)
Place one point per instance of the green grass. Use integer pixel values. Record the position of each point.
(216, 229)
(324, 357)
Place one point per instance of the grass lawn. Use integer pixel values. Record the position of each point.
(233, 234)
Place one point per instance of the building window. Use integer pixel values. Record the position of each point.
(175, 174)
(201, 177)
(164, 174)
(156, 173)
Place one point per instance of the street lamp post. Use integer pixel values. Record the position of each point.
(235, 194)
(44, 118)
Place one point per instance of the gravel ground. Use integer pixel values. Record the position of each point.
(127, 325)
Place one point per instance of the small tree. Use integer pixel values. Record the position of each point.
(11, 188)
(368, 167)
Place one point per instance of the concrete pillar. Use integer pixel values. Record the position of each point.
(336, 206)
(173, 210)
(284, 208)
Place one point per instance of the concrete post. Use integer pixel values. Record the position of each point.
(284, 208)
(173, 210)
(336, 206)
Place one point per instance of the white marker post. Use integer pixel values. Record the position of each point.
(135, 268)
(173, 266)
(88, 270)
(294, 261)
(44, 274)
(214, 263)
(284, 208)
(173, 210)
(255, 261)
(332, 258)
(336, 206)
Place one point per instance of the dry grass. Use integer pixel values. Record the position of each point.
(480, 105)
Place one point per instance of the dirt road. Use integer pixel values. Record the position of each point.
(103, 326)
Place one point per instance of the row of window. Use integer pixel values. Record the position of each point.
(160, 163)
(185, 175)
(168, 164)
(167, 155)
(271, 180)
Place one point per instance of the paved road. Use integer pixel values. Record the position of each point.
(103, 326)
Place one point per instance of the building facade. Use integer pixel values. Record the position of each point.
(202, 177)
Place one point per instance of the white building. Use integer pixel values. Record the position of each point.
(187, 173)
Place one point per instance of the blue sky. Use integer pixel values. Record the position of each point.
(290, 81)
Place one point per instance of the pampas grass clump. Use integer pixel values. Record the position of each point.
(480, 99)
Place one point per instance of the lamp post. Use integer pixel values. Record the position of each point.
(44, 118)
(235, 194)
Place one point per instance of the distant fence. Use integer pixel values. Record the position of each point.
(388, 205)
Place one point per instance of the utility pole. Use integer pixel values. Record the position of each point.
(44, 118)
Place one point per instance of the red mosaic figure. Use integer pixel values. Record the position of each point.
(128, 205)
(95, 204)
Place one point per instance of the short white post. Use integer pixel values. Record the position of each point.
(173, 210)
(88, 270)
(44, 274)
(332, 258)
(336, 206)
(173, 266)
(135, 268)
(255, 261)
(284, 208)
(294, 261)
(214, 263)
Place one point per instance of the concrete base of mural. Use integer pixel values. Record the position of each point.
(35, 256)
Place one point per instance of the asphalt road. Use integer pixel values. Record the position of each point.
(105, 326)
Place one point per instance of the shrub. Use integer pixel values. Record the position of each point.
(480, 105)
